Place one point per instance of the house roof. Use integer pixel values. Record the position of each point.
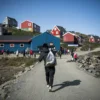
(72, 34)
(27, 21)
(69, 33)
(45, 38)
(61, 29)
(11, 18)
(94, 36)
(13, 38)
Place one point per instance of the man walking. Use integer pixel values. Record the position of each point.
(49, 68)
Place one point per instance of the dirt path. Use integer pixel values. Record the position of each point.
(69, 84)
(85, 52)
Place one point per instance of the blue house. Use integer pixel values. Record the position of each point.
(45, 38)
(13, 43)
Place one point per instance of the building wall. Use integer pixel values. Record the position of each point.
(27, 26)
(44, 38)
(68, 38)
(92, 40)
(10, 22)
(56, 32)
(16, 47)
(36, 28)
(1, 30)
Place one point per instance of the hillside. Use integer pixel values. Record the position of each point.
(15, 31)
(85, 42)
(85, 38)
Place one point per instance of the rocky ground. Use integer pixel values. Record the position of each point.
(91, 63)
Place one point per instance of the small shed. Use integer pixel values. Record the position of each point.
(45, 38)
(13, 43)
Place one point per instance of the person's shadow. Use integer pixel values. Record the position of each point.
(65, 84)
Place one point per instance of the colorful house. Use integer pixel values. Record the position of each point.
(70, 38)
(58, 31)
(92, 39)
(13, 43)
(45, 37)
(29, 26)
(10, 22)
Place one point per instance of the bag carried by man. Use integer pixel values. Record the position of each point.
(50, 59)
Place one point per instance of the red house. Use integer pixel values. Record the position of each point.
(92, 39)
(70, 38)
(29, 26)
(58, 31)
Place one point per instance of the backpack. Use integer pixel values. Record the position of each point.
(50, 60)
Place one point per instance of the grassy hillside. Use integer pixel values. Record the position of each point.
(88, 45)
(15, 31)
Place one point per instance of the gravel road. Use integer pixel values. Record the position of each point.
(69, 84)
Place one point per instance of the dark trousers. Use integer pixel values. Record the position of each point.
(49, 71)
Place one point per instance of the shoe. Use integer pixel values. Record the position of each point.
(50, 89)
(47, 86)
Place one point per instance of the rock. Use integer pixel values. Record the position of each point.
(80, 58)
(90, 63)
(98, 73)
(31, 66)
(83, 61)
(98, 61)
(81, 66)
(27, 69)
(95, 60)
(85, 64)
(86, 57)
(90, 71)
(96, 56)
(92, 66)
(19, 74)
(87, 68)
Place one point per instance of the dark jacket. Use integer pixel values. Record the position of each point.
(72, 52)
(43, 55)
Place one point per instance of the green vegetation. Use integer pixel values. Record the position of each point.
(96, 53)
(88, 45)
(17, 61)
(15, 31)
(11, 66)
(30, 62)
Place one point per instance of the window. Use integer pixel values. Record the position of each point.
(29, 24)
(1, 45)
(57, 32)
(51, 44)
(93, 40)
(21, 45)
(34, 25)
(12, 45)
